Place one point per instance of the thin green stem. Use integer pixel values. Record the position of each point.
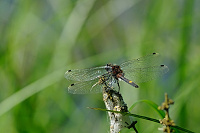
(142, 117)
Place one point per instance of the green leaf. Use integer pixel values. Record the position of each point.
(150, 103)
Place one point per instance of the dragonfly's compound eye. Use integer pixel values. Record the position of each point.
(69, 70)
(72, 85)
(162, 65)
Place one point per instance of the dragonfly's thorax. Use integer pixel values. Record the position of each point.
(116, 70)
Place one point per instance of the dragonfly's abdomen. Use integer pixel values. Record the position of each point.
(127, 80)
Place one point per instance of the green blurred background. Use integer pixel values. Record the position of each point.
(41, 39)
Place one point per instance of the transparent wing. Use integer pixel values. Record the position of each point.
(86, 87)
(145, 74)
(144, 69)
(143, 62)
(85, 74)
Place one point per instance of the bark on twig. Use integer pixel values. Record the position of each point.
(114, 101)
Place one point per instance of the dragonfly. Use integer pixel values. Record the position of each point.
(139, 70)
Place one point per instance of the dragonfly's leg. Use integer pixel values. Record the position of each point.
(107, 87)
(93, 86)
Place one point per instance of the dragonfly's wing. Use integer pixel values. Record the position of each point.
(85, 74)
(144, 69)
(85, 87)
(145, 74)
(143, 62)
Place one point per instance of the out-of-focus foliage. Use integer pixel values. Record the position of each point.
(41, 39)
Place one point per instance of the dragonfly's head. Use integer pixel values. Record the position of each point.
(108, 67)
(109, 64)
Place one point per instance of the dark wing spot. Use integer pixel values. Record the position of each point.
(154, 53)
(72, 85)
(69, 70)
(162, 65)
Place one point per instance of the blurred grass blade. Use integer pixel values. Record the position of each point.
(30, 90)
(107, 13)
(151, 104)
(70, 32)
